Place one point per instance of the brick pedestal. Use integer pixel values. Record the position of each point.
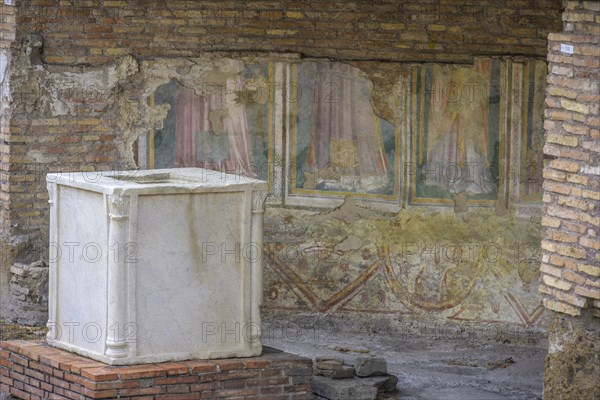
(34, 370)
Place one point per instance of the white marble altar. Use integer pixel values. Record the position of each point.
(156, 265)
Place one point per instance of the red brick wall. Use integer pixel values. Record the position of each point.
(32, 370)
(7, 24)
(410, 30)
(570, 247)
(7, 36)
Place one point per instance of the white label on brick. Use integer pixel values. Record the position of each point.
(566, 48)
(590, 170)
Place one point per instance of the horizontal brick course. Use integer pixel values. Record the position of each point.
(91, 32)
(274, 375)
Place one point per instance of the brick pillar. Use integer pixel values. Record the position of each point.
(7, 36)
(570, 269)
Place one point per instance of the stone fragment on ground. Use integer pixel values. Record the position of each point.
(335, 378)
(352, 389)
(346, 372)
(370, 366)
(327, 366)
(333, 368)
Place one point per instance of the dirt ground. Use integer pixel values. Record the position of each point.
(428, 367)
(434, 367)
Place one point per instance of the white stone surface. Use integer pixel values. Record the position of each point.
(158, 265)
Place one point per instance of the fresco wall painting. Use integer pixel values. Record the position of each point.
(456, 133)
(310, 129)
(338, 146)
(224, 125)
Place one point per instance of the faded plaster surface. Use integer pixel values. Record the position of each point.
(475, 266)
(386, 79)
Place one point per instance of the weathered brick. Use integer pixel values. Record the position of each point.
(563, 212)
(550, 270)
(436, 28)
(171, 380)
(574, 277)
(569, 251)
(589, 50)
(591, 194)
(588, 218)
(591, 5)
(576, 129)
(573, 202)
(565, 70)
(586, 62)
(556, 283)
(393, 26)
(415, 36)
(569, 298)
(564, 237)
(554, 175)
(578, 179)
(593, 121)
(591, 145)
(565, 165)
(558, 188)
(593, 293)
(575, 106)
(575, 154)
(559, 59)
(590, 242)
(295, 14)
(570, 141)
(550, 222)
(589, 269)
(561, 307)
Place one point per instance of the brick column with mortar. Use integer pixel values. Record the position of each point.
(570, 268)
